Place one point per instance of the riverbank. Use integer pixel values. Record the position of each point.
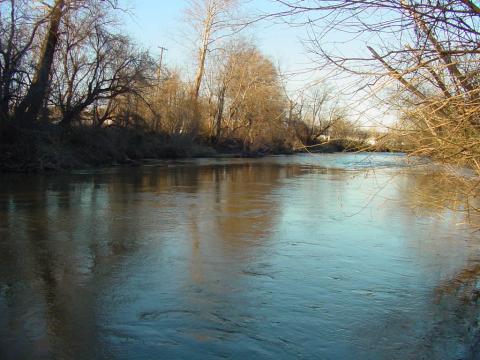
(345, 145)
(54, 148)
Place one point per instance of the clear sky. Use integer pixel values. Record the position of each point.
(155, 23)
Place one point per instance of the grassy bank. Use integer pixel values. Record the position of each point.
(51, 147)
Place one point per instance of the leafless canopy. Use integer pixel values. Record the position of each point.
(426, 52)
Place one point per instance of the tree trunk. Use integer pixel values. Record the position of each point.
(219, 114)
(207, 32)
(200, 70)
(30, 107)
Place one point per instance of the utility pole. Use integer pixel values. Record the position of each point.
(159, 76)
(162, 49)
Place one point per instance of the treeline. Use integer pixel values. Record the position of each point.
(75, 88)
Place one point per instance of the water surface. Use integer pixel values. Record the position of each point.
(308, 257)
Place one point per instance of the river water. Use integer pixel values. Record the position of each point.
(287, 257)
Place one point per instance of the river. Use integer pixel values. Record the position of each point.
(284, 257)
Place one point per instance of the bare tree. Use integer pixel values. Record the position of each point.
(318, 112)
(250, 101)
(17, 36)
(220, 76)
(429, 49)
(170, 106)
(96, 65)
(31, 34)
(211, 20)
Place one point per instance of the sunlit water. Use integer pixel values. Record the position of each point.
(299, 257)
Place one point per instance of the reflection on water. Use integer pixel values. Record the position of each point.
(283, 257)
